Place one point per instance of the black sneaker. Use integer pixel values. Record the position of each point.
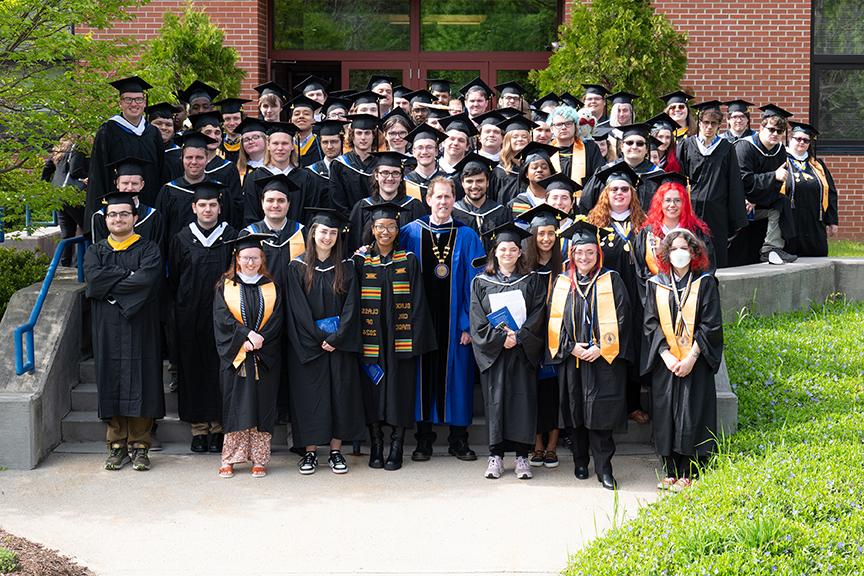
(140, 459)
(308, 463)
(462, 451)
(337, 462)
(118, 456)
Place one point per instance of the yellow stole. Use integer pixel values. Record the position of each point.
(296, 245)
(305, 148)
(577, 164)
(823, 180)
(413, 189)
(678, 331)
(231, 147)
(232, 300)
(607, 319)
(120, 246)
(651, 242)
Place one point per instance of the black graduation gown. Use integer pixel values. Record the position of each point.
(350, 180)
(196, 261)
(325, 387)
(113, 142)
(483, 219)
(175, 206)
(231, 152)
(149, 226)
(225, 171)
(422, 181)
(123, 286)
(322, 170)
(716, 191)
(173, 162)
(503, 185)
(247, 403)
(312, 192)
(684, 409)
(732, 138)
(509, 377)
(645, 190)
(805, 193)
(360, 218)
(393, 400)
(593, 394)
(548, 411)
(313, 152)
(644, 273)
(593, 159)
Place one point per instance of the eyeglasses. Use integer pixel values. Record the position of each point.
(249, 259)
(133, 99)
(634, 143)
(801, 139)
(737, 117)
(397, 134)
(709, 123)
(391, 175)
(563, 124)
(775, 130)
(381, 228)
(677, 106)
(252, 138)
(619, 189)
(112, 215)
(672, 201)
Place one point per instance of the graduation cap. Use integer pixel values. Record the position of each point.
(131, 84)
(365, 97)
(437, 111)
(664, 177)
(662, 121)
(569, 99)
(272, 88)
(738, 106)
(771, 110)
(195, 139)
(115, 197)
(507, 232)
(601, 131)
(387, 210)
(474, 85)
(708, 105)
(378, 79)
(282, 128)
(363, 121)
(543, 215)
(493, 117)
(517, 122)
(559, 182)
(278, 182)
(347, 93)
(640, 129)
(335, 102)
(248, 239)
(676, 97)
(438, 84)
(511, 87)
(311, 83)
(389, 158)
(128, 166)
(162, 110)
(420, 96)
(476, 161)
(398, 111)
(805, 128)
(509, 111)
(550, 99)
(622, 97)
(303, 101)
(597, 89)
(199, 89)
(401, 91)
(326, 217)
(425, 132)
(459, 122)
(251, 125)
(331, 127)
(581, 232)
(210, 118)
(231, 105)
(206, 190)
(619, 170)
(536, 151)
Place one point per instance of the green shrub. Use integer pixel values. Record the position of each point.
(19, 268)
(8, 561)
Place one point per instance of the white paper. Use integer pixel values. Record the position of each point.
(514, 301)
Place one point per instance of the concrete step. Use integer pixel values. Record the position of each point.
(87, 371)
(86, 399)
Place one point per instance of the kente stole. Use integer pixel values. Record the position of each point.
(371, 285)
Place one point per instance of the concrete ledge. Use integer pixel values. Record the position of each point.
(849, 277)
(42, 239)
(33, 405)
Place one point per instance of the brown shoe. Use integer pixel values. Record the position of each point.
(639, 416)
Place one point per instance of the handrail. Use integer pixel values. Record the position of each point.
(26, 330)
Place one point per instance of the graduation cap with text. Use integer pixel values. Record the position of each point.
(198, 89)
(378, 79)
(476, 84)
(388, 210)
(771, 110)
(162, 110)
(272, 88)
(543, 215)
(676, 97)
(131, 84)
(511, 87)
(310, 84)
(426, 132)
(194, 139)
(536, 151)
(438, 84)
(618, 170)
(459, 122)
(210, 118)
(477, 161)
(278, 182)
(231, 105)
(206, 190)
(363, 121)
(251, 125)
(738, 106)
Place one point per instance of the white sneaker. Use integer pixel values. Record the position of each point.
(495, 467)
(523, 468)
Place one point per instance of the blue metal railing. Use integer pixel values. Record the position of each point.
(24, 332)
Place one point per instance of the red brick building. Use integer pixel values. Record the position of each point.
(804, 55)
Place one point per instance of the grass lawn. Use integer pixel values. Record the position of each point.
(784, 495)
(845, 248)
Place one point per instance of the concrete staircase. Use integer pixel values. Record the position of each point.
(83, 432)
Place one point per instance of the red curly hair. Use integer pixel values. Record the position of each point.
(698, 252)
(600, 215)
(688, 219)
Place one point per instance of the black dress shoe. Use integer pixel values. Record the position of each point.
(608, 481)
(199, 443)
(216, 441)
(462, 451)
(581, 472)
(423, 452)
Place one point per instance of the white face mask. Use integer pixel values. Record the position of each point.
(679, 258)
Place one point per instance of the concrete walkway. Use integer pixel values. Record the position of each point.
(439, 517)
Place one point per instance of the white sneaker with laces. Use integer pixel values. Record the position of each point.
(495, 467)
(523, 468)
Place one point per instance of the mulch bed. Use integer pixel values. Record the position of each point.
(36, 560)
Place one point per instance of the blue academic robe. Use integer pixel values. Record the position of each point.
(459, 394)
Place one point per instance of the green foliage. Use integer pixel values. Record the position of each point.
(189, 47)
(22, 189)
(785, 494)
(18, 269)
(845, 248)
(8, 561)
(621, 44)
(53, 83)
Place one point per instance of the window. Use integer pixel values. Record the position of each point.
(837, 75)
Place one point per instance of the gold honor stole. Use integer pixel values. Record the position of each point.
(296, 244)
(607, 319)
(651, 243)
(413, 190)
(679, 344)
(823, 180)
(577, 164)
(304, 149)
(232, 300)
(120, 246)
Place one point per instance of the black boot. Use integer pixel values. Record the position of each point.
(376, 446)
(397, 440)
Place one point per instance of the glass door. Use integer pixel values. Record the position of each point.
(355, 74)
(459, 73)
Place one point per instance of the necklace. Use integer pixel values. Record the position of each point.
(681, 329)
(441, 269)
